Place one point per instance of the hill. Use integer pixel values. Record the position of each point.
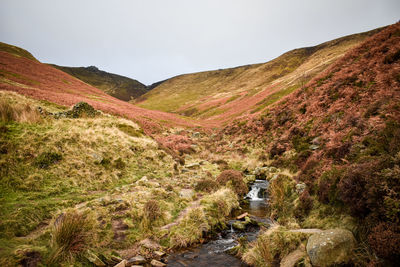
(222, 95)
(16, 51)
(35, 79)
(118, 86)
(340, 137)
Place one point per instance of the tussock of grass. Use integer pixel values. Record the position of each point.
(271, 246)
(72, 233)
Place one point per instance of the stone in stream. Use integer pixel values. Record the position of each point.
(136, 260)
(121, 264)
(330, 247)
(157, 263)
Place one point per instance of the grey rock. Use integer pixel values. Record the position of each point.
(193, 166)
(300, 187)
(90, 256)
(330, 247)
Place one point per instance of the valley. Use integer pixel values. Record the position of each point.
(253, 163)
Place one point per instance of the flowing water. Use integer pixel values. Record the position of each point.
(215, 252)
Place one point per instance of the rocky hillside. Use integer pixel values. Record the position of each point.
(118, 86)
(340, 135)
(21, 73)
(222, 95)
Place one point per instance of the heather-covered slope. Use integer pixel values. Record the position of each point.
(222, 95)
(32, 78)
(118, 86)
(340, 134)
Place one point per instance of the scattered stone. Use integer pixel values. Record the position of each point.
(196, 135)
(314, 147)
(193, 166)
(184, 170)
(97, 158)
(159, 253)
(157, 263)
(300, 187)
(316, 141)
(121, 264)
(242, 216)
(90, 256)
(330, 247)
(136, 260)
(186, 193)
(149, 244)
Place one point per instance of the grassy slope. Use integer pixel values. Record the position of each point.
(118, 86)
(44, 82)
(222, 95)
(91, 165)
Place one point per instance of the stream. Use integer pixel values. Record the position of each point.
(215, 252)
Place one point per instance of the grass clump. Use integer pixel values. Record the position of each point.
(72, 234)
(219, 205)
(151, 213)
(282, 196)
(271, 246)
(234, 179)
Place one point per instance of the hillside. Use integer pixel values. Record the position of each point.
(16, 51)
(118, 86)
(222, 95)
(32, 78)
(340, 137)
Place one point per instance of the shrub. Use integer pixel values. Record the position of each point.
(236, 180)
(384, 239)
(305, 205)
(206, 185)
(44, 160)
(72, 234)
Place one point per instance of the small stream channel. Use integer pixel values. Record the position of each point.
(215, 252)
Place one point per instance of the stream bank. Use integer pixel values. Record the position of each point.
(216, 252)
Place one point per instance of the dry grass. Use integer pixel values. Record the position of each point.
(18, 112)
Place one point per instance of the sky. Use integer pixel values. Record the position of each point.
(152, 40)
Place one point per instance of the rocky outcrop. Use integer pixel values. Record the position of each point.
(330, 247)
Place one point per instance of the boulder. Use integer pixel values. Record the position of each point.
(330, 247)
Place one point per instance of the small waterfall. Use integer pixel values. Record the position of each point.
(255, 191)
(253, 194)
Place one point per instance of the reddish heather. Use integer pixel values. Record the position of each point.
(44, 82)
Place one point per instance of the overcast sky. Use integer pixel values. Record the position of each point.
(151, 40)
